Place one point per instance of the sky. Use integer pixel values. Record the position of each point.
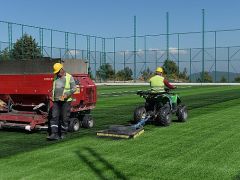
(115, 18)
(111, 18)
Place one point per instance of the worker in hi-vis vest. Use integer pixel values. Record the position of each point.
(158, 84)
(63, 88)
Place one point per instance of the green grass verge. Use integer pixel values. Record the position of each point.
(205, 147)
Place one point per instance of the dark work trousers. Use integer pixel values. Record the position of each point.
(60, 116)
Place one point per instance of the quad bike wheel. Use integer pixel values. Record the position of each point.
(139, 113)
(182, 113)
(164, 116)
(87, 121)
(74, 125)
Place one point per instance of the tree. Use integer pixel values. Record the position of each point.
(124, 75)
(105, 72)
(183, 75)
(237, 79)
(170, 68)
(223, 79)
(5, 54)
(146, 74)
(206, 78)
(25, 48)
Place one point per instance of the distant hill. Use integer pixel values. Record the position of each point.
(219, 75)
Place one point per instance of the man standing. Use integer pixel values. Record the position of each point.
(63, 88)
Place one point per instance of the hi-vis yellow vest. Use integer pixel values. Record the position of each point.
(66, 87)
(157, 83)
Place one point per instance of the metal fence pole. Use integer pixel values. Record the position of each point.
(103, 51)
(156, 59)
(22, 43)
(124, 60)
(41, 41)
(215, 55)
(114, 56)
(203, 48)
(190, 59)
(9, 36)
(89, 54)
(51, 44)
(66, 44)
(167, 21)
(95, 56)
(145, 53)
(178, 57)
(228, 52)
(135, 44)
(75, 45)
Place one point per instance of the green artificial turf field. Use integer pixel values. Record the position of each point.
(207, 146)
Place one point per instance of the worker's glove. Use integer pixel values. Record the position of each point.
(63, 97)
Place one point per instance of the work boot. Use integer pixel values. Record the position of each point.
(63, 135)
(53, 137)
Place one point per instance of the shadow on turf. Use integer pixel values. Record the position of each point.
(107, 166)
(15, 141)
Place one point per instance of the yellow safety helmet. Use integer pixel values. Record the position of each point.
(159, 69)
(57, 67)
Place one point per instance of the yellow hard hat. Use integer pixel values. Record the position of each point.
(159, 69)
(57, 67)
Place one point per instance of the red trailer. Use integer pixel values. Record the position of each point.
(25, 101)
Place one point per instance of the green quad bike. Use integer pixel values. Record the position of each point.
(159, 108)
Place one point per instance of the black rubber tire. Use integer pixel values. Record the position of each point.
(87, 121)
(182, 113)
(74, 125)
(164, 117)
(139, 112)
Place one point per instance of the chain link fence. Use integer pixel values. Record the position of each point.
(216, 53)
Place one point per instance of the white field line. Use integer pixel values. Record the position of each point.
(177, 84)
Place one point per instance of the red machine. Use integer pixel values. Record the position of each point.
(25, 101)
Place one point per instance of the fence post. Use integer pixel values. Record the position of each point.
(9, 36)
(114, 56)
(203, 33)
(66, 44)
(167, 19)
(134, 52)
(95, 56)
(51, 44)
(215, 55)
(178, 58)
(145, 53)
(75, 45)
(22, 43)
(228, 63)
(190, 55)
(41, 42)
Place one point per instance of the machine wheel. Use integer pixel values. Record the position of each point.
(139, 113)
(164, 116)
(87, 121)
(74, 125)
(182, 113)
